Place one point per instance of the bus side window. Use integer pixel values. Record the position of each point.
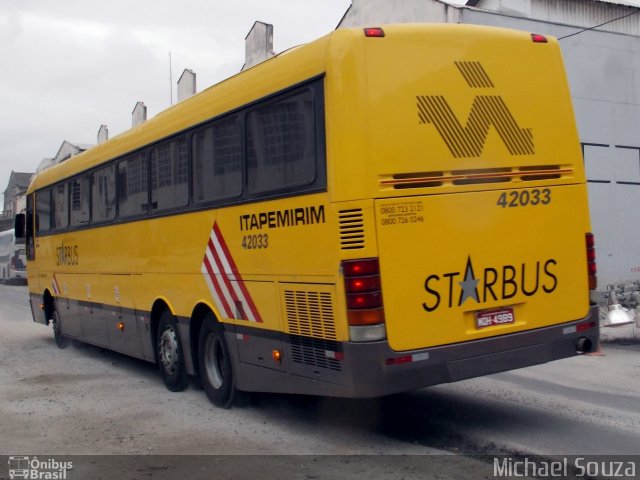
(170, 175)
(103, 194)
(217, 161)
(133, 185)
(60, 205)
(281, 144)
(43, 210)
(80, 200)
(29, 230)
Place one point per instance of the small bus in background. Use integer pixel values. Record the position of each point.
(13, 259)
(380, 210)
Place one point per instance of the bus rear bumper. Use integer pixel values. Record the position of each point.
(376, 370)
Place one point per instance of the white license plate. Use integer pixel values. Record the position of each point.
(491, 318)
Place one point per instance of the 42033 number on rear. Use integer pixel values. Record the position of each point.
(524, 198)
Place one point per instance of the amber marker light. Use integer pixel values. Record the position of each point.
(121, 326)
(277, 356)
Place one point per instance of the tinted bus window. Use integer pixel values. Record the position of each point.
(60, 205)
(43, 210)
(170, 175)
(217, 161)
(80, 200)
(281, 144)
(103, 194)
(133, 186)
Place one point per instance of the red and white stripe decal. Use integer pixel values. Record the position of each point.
(225, 283)
(54, 284)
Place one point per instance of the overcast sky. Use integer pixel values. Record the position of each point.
(71, 65)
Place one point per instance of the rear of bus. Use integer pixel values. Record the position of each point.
(13, 262)
(455, 149)
(18, 261)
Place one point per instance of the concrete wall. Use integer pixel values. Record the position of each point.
(139, 114)
(103, 134)
(371, 13)
(258, 44)
(186, 84)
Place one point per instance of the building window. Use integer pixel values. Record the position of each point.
(217, 161)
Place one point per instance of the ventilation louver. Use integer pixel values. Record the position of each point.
(351, 229)
(312, 329)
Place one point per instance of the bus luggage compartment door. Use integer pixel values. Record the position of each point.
(461, 267)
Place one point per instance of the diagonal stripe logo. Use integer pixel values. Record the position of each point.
(228, 289)
(474, 74)
(486, 111)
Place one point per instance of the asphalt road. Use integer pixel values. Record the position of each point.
(86, 400)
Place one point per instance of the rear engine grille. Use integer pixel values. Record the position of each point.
(312, 329)
(351, 229)
(316, 353)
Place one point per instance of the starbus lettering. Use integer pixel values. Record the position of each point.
(67, 254)
(454, 289)
(282, 218)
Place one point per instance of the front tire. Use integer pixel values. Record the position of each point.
(216, 371)
(170, 354)
(61, 341)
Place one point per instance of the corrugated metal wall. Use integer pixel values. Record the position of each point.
(586, 13)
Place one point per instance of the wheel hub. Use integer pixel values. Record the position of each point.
(168, 350)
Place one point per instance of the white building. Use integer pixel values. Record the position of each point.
(66, 151)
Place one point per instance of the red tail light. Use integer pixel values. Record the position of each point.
(374, 32)
(363, 291)
(362, 284)
(591, 261)
(537, 38)
(364, 300)
(359, 268)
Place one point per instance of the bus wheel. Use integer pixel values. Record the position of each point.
(170, 357)
(216, 372)
(61, 340)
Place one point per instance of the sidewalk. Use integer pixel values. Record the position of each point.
(624, 335)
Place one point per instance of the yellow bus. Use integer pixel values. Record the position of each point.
(380, 210)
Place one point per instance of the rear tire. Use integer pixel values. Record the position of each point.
(216, 370)
(170, 354)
